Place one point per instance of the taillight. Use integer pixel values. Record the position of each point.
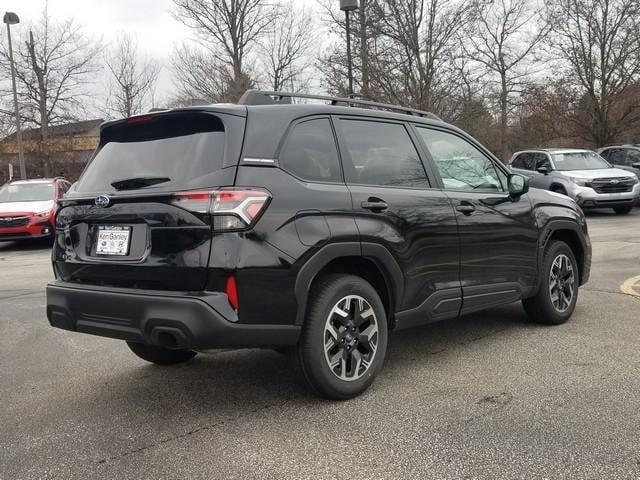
(231, 208)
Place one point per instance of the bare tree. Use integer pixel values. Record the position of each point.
(285, 51)
(132, 79)
(227, 29)
(505, 37)
(199, 75)
(54, 65)
(599, 41)
(334, 62)
(415, 63)
(404, 51)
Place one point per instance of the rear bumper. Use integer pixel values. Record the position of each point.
(195, 322)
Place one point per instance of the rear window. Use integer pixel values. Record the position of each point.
(164, 152)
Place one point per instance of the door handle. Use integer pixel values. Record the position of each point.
(466, 208)
(375, 205)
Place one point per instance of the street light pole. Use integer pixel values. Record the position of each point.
(349, 6)
(11, 18)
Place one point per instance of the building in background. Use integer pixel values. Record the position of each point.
(70, 146)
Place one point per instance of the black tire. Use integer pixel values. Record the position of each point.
(623, 210)
(541, 308)
(559, 189)
(310, 362)
(160, 355)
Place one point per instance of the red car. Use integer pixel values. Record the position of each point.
(28, 207)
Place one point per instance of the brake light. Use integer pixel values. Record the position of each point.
(139, 119)
(231, 289)
(231, 208)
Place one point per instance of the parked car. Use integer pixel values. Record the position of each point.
(582, 175)
(311, 228)
(626, 157)
(27, 208)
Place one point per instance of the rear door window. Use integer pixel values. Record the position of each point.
(381, 153)
(310, 152)
(174, 151)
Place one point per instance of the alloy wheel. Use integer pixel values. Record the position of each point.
(561, 283)
(350, 338)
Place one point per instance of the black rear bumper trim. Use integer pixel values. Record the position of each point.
(186, 322)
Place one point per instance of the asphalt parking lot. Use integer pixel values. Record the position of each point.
(485, 396)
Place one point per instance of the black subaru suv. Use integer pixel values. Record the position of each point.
(311, 228)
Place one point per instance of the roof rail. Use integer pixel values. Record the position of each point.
(260, 97)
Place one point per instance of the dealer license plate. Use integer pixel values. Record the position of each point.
(113, 240)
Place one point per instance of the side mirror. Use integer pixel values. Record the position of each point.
(544, 170)
(636, 165)
(518, 185)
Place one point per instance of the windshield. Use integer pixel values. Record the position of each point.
(26, 192)
(579, 161)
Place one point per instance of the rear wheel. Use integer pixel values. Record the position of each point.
(160, 355)
(556, 299)
(623, 210)
(344, 339)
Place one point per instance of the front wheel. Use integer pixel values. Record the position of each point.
(623, 210)
(556, 299)
(344, 339)
(160, 355)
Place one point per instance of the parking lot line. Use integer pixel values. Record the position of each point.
(631, 286)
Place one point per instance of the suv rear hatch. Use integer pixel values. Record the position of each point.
(140, 214)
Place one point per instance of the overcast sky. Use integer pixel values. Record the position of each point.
(149, 20)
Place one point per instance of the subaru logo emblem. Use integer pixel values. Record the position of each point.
(613, 182)
(102, 201)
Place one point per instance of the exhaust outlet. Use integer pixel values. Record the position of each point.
(169, 337)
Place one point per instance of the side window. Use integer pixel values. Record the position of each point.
(62, 188)
(381, 154)
(522, 161)
(614, 155)
(606, 154)
(542, 160)
(461, 165)
(633, 156)
(311, 153)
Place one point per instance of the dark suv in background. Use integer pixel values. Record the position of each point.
(626, 157)
(311, 228)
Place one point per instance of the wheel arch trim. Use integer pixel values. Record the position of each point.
(557, 225)
(380, 256)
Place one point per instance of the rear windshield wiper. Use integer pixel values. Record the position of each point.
(138, 182)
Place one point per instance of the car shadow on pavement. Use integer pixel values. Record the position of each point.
(234, 380)
(152, 405)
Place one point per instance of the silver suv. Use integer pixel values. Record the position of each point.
(580, 174)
